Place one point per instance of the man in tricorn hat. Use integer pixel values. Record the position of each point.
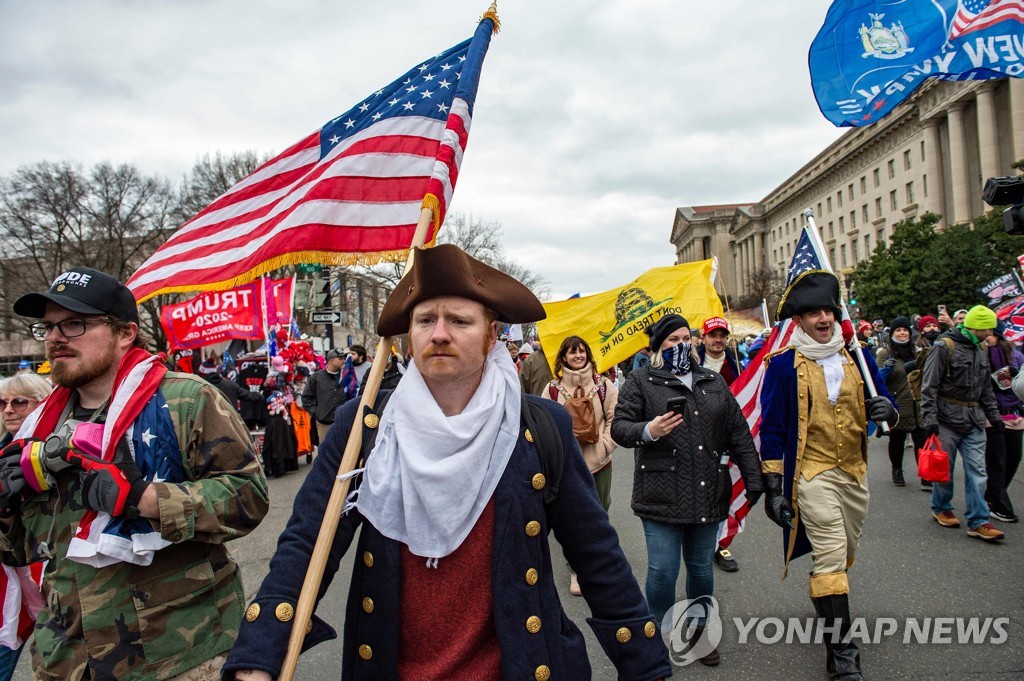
(453, 574)
(814, 413)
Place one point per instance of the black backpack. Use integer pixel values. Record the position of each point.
(538, 421)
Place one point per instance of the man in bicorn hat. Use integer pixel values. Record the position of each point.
(452, 575)
(815, 409)
(139, 583)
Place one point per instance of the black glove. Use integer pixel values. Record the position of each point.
(12, 478)
(998, 426)
(1013, 372)
(114, 488)
(880, 409)
(753, 498)
(931, 430)
(776, 505)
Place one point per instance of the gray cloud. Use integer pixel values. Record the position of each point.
(594, 120)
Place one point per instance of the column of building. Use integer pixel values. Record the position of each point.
(1017, 117)
(988, 133)
(936, 200)
(958, 165)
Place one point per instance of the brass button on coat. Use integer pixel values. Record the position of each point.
(371, 420)
(531, 576)
(622, 635)
(284, 612)
(528, 435)
(532, 528)
(542, 673)
(367, 605)
(539, 481)
(650, 630)
(365, 652)
(252, 612)
(367, 559)
(533, 624)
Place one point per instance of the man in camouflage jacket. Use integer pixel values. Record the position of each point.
(174, 617)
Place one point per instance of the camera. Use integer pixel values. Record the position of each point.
(1007, 191)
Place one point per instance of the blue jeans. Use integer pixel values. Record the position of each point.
(665, 541)
(8, 661)
(971, 446)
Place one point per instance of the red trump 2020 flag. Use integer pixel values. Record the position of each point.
(349, 193)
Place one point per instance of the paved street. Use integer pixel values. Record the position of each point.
(908, 567)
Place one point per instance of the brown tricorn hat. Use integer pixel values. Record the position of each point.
(447, 270)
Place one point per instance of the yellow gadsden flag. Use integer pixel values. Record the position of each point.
(613, 322)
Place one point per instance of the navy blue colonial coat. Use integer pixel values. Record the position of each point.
(779, 425)
(621, 619)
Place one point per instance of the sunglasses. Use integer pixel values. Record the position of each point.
(18, 404)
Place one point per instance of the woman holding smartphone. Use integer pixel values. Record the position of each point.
(685, 426)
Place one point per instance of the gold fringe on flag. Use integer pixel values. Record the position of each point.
(492, 13)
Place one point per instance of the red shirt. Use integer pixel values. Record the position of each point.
(446, 623)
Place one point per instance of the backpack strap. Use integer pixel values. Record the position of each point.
(602, 386)
(548, 443)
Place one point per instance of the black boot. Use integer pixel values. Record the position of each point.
(842, 661)
(897, 477)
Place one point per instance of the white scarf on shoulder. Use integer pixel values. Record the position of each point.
(429, 476)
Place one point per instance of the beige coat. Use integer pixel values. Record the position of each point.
(599, 454)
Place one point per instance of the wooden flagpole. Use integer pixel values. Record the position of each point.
(332, 516)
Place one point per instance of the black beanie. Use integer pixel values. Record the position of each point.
(663, 328)
(900, 322)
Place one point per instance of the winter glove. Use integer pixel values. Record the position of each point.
(12, 478)
(999, 426)
(880, 409)
(910, 366)
(1013, 372)
(114, 488)
(890, 363)
(753, 498)
(776, 505)
(931, 430)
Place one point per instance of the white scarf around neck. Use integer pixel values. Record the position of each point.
(828, 356)
(429, 476)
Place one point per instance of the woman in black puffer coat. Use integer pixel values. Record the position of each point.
(681, 483)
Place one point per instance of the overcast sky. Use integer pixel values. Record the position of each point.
(594, 120)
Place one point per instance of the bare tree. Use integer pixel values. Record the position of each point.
(58, 215)
(763, 284)
(480, 239)
(211, 177)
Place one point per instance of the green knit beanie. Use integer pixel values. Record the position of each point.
(980, 317)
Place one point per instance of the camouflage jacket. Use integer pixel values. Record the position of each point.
(150, 622)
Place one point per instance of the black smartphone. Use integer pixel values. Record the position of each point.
(677, 405)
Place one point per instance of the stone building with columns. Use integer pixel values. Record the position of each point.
(933, 154)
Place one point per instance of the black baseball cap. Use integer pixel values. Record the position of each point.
(84, 290)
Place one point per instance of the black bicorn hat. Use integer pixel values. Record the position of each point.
(811, 290)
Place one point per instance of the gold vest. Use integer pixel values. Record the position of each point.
(831, 435)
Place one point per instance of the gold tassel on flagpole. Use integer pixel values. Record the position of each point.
(492, 13)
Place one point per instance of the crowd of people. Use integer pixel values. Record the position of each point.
(122, 478)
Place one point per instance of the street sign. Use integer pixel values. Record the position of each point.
(325, 317)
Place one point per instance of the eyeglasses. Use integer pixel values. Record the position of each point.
(69, 328)
(18, 404)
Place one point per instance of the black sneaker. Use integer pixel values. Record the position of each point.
(724, 560)
(897, 477)
(925, 485)
(1003, 517)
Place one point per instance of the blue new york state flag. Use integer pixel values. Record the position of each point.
(869, 55)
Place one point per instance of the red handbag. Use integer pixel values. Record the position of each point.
(933, 461)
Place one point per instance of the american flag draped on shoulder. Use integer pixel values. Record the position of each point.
(747, 388)
(351, 192)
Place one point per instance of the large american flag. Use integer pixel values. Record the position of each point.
(747, 388)
(349, 192)
(976, 15)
